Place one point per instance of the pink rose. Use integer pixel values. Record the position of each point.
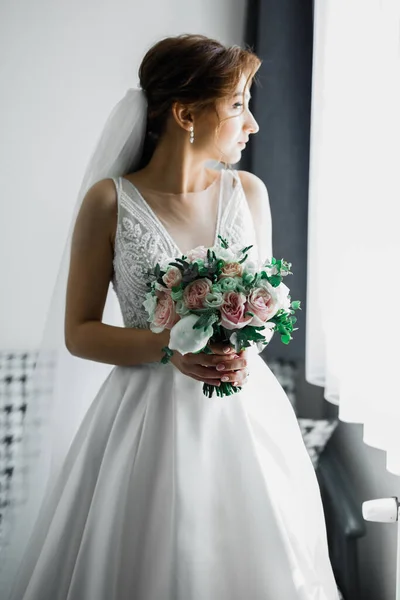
(232, 269)
(195, 292)
(262, 304)
(232, 311)
(172, 277)
(165, 315)
(199, 252)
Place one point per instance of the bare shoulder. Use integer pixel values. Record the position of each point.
(250, 179)
(257, 197)
(103, 195)
(255, 191)
(101, 204)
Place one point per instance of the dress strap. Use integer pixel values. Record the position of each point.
(236, 177)
(117, 183)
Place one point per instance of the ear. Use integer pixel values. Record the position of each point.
(182, 115)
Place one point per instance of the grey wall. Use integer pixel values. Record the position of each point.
(279, 153)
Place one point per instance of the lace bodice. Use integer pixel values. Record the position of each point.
(141, 240)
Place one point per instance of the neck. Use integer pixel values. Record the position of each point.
(177, 168)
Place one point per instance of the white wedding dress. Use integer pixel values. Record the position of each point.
(166, 494)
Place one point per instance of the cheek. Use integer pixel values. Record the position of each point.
(230, 131)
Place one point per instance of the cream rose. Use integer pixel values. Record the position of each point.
(261, 303)
(195, 293)
(165, 315)
(199, 253)
(231, 269)
(232, 311)
(172, 277)
(280, 296)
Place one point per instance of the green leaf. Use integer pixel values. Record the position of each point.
(179, 266)
(275, 280)
(224, 243)
(205, 320)
(168, 353)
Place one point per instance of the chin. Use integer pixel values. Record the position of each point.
(236, 157)
(232, 157)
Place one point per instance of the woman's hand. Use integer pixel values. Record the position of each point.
(212, 368)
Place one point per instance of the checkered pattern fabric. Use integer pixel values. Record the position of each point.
(17, 387)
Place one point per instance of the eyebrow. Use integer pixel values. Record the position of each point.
(248, 95)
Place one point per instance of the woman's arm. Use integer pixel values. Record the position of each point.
(90, 272)
(258, 200)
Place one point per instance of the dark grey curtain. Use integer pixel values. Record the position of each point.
(281, 34)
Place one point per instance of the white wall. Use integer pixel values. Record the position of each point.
(63, 66)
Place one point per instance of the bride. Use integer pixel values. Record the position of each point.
(145, 488)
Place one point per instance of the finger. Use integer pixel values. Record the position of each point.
(220, 348)
(208, 360)
(228, 363)
(205, 372)
(235, 377)
(209, 381)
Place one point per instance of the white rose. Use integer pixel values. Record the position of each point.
(150, 305)
(224, 253)
(270, 271)
(237, 249)
(249, 266)
(181, 307)
(213, 300)
(267, 332)
(185, 339)
(279, 296)
(233, 339)
(283, 297)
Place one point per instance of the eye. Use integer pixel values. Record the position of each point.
(237, 104)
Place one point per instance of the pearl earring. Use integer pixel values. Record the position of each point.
(191, 134)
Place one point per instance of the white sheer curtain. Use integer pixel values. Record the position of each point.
(353, 287)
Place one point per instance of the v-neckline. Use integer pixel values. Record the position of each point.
(162, 226)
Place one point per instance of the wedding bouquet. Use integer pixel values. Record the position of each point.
(218, 295)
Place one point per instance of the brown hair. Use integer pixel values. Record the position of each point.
(192, 69)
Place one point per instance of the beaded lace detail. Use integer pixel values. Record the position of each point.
(141, 240)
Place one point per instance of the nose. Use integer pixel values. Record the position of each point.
(251, 124)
